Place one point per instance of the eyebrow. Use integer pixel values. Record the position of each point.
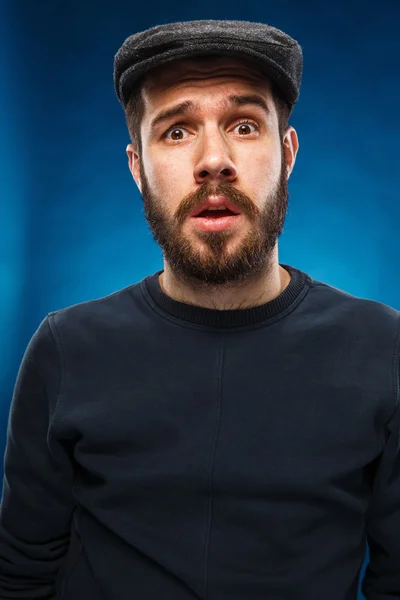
(183, 107)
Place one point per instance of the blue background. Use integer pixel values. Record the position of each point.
(72, 225)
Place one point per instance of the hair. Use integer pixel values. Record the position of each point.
(134, 112)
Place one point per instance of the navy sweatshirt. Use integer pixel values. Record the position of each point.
(161, 451)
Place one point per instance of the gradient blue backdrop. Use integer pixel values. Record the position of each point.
(72, 225)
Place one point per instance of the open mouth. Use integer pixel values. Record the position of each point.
(215, 214)
(216, 220)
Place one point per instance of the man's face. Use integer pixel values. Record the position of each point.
(216, 147)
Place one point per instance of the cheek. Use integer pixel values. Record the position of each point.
(169, 182)
(168, 176)
(261, 174)
(263, 169)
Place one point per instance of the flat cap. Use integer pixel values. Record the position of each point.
(275, 52)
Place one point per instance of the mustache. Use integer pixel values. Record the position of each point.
(223, 188)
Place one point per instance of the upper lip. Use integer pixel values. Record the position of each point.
(215, 202)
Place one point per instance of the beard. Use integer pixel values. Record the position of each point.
(214, 266)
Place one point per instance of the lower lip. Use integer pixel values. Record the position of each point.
(216, 223)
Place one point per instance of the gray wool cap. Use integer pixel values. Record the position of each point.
(275, 52)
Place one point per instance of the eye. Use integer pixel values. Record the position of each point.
(245, 127)
(175, 132)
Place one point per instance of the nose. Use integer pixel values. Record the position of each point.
(214, 162)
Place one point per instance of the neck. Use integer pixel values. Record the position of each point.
(255, 293)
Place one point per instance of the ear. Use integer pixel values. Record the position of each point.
(134, 165)
(290, 148)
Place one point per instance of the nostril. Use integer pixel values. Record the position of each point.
(225, 172)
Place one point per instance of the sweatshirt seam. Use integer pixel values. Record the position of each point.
(68, 576)
(231, 329)
(62, 384)
(210, 469)
(396, 374)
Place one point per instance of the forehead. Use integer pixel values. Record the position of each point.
(202, 70)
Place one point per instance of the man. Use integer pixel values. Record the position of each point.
(228, 427)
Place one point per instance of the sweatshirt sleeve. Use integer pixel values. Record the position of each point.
(382, 575)
(37, 502)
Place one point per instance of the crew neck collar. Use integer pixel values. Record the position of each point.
(294, 291)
